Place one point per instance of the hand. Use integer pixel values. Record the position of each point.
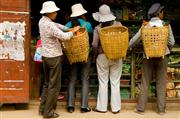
(75, 29)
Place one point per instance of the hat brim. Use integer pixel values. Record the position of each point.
(103, 18)
(49, 11)
(76, 14)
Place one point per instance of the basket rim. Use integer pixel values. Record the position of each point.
(81, 33)
(155, 27)
(113, 26)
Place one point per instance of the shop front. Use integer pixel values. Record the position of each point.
(21, 77)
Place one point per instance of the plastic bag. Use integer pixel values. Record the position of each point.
(38, 52)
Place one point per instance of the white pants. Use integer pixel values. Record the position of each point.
(108, 69)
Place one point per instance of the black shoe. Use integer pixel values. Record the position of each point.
(55, 115)
(95, 110)
(161, 112)
(139, 111)
(116, 112)
(70, 109)
(84, 110)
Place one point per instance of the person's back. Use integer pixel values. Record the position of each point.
(51, 46)
(108, 70)
(153, 66)
(82, 67)
(81, 22)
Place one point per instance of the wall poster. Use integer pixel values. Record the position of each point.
(12, 40)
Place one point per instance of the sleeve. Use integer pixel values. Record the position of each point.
(171, 40)
(89, 28)
(69, 24)
(62, 27)
(135, 39)
(95, 41)
(58, 33)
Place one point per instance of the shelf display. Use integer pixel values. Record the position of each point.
(173, 73)
(131, 14)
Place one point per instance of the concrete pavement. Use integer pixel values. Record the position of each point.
(9, 112)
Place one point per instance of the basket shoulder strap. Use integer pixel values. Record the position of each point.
(144, 24)
(166, 23)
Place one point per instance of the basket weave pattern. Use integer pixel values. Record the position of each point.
(154, 41)
(77, 49)
(114, 41)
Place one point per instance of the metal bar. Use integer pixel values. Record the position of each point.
(14, 12)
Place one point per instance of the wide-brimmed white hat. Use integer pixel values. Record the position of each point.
(104, 14)
(77, 10)
(49, 7)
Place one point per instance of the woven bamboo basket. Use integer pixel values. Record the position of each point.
(114, 41)
(77, 49)
(155, 41)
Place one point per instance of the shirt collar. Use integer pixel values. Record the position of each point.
(47, 18)
(156, 21)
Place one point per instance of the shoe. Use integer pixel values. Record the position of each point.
(84, 110)
(161, 113)
(116, 112)
(70, 109)
(139, 111)
(95, 110)
(60, 97)
(55, 115)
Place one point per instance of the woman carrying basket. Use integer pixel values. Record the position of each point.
(106, 69)
(51, 33)
(154, 65)
(77, 20)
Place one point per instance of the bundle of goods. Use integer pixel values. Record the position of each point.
(114, 41)
(170, 86)
(171, 93)
(177, 89)
(77, 49)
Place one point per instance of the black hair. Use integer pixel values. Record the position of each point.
(75, 21)
(108, 23)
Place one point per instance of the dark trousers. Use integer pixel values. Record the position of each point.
(52, 69)
(150, 67)
(83, 70)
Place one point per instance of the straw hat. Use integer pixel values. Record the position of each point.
(49, 7)
(104, 14)
(77, 10)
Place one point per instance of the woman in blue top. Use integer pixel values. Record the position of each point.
(77, 20)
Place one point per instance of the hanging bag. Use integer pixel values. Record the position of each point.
(38, 52)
